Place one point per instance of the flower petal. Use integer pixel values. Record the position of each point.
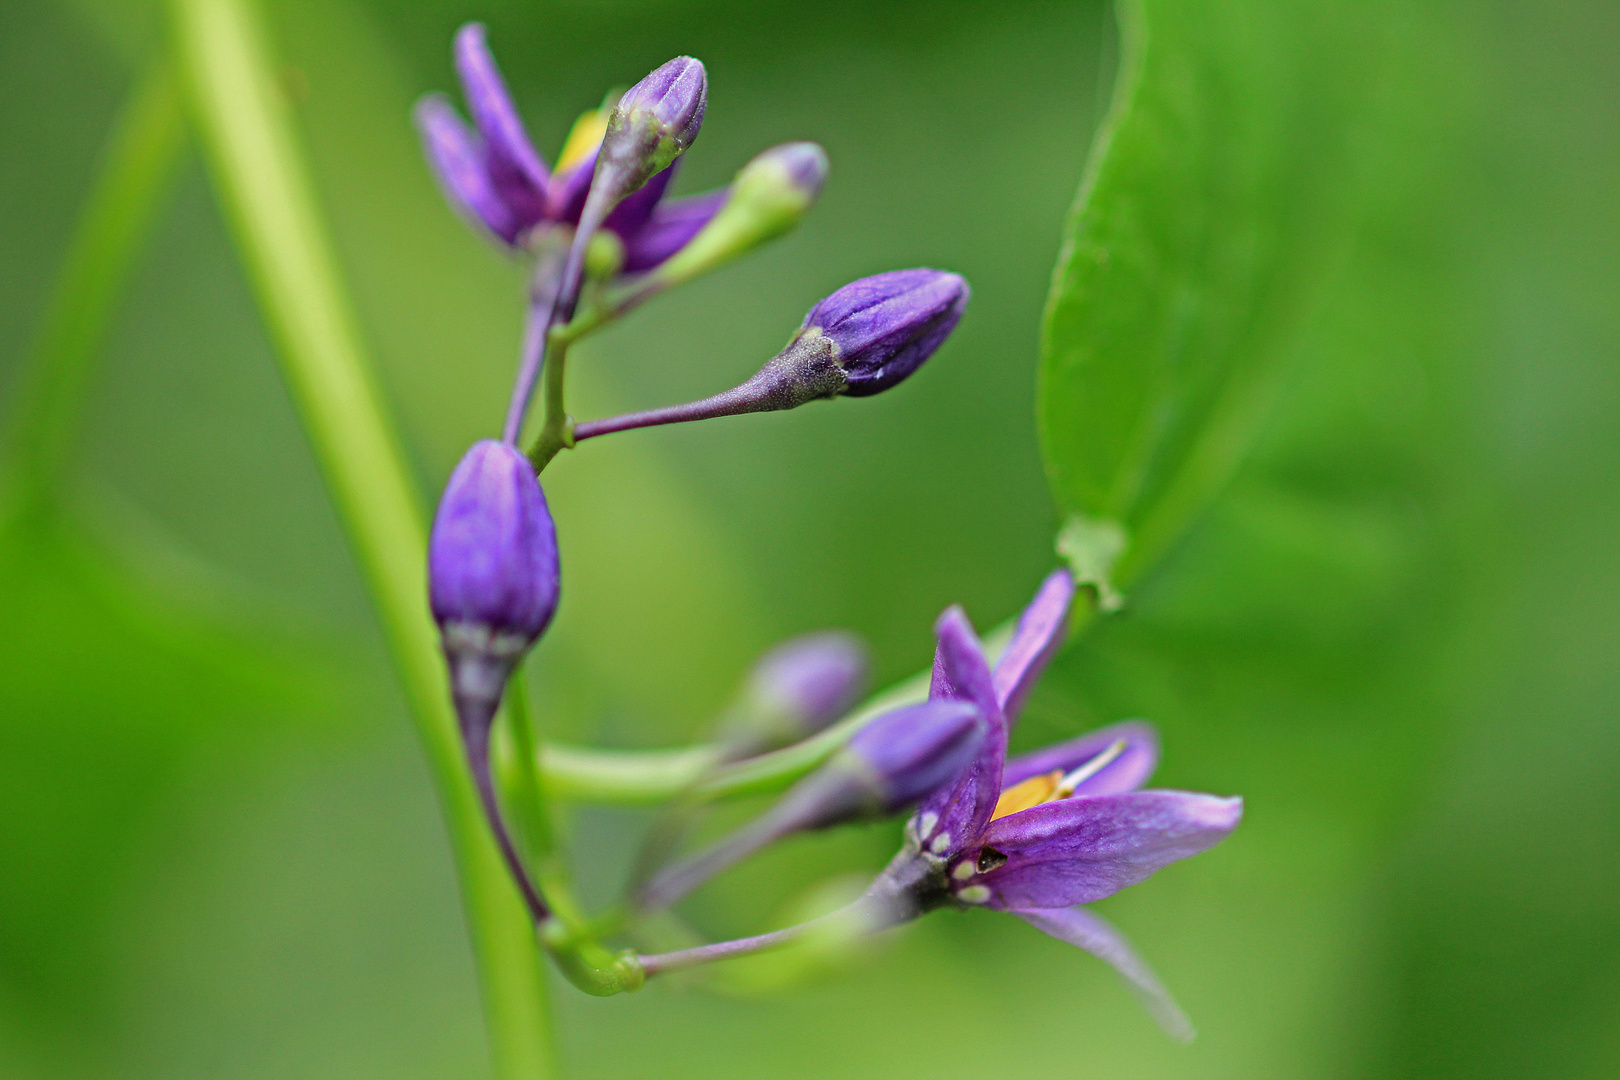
(1091, 932)
(565, 198)
(515, 170)
(950, 820)
(1079, 850)
(1039, 636)
(632, 213)
(672, 225)
(1127, 772)
(457, 160)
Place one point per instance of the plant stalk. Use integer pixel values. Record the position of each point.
(259, 168)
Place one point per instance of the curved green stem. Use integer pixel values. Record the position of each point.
(259, 168)
(557, 431)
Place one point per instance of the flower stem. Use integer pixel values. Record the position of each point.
(733, 402)
(137, 169)
(542, 300)
(260, 171)
(558, 431)
(870, 913)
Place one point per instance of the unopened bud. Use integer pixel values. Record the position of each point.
(768, 197)
(795, 690)
(861, 340)
(492, 573)
(654, 123)
(880, 329)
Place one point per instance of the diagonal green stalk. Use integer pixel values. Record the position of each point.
(137, 171)
(259, 169)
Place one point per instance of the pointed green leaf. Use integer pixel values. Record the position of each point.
(1204, 218)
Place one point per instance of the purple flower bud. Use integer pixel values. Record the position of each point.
(654, 123)
(861, 340)
(816, 678)
(794, 691)
(674, 96)
(492, 572)
(911, 752)
(803, 163)
(883, 327)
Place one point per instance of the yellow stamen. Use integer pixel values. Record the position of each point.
(1028, 793)
(1066, 786)
(583, 139)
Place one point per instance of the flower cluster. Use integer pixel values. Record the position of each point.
(1036, 835)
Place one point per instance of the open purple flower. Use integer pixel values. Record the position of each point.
(493, 175)
(1040, 834)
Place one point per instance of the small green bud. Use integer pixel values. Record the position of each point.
(768, 197)
(605, 255)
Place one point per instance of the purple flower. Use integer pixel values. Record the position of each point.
(1047, 831)
(493, 175)
(817, 678)
(492, 572)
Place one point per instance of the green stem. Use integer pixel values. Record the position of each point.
(263, 179)
(137, 170)
(557, 432)
(524, 789)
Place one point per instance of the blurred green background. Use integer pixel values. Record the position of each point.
(1396, 634)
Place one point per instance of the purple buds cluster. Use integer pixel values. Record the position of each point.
(1034, 835)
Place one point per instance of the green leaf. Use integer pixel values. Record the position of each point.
(1206, 215)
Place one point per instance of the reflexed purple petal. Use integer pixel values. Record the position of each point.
(566, 197)
(457, 160)
(1091, 932)
(953, 816)
(1039, 636)
(515, 170)
(1127, 772)
(1079, 850)
(673, 224)
(631, 214)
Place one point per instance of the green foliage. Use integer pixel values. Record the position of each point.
(1201, 225)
